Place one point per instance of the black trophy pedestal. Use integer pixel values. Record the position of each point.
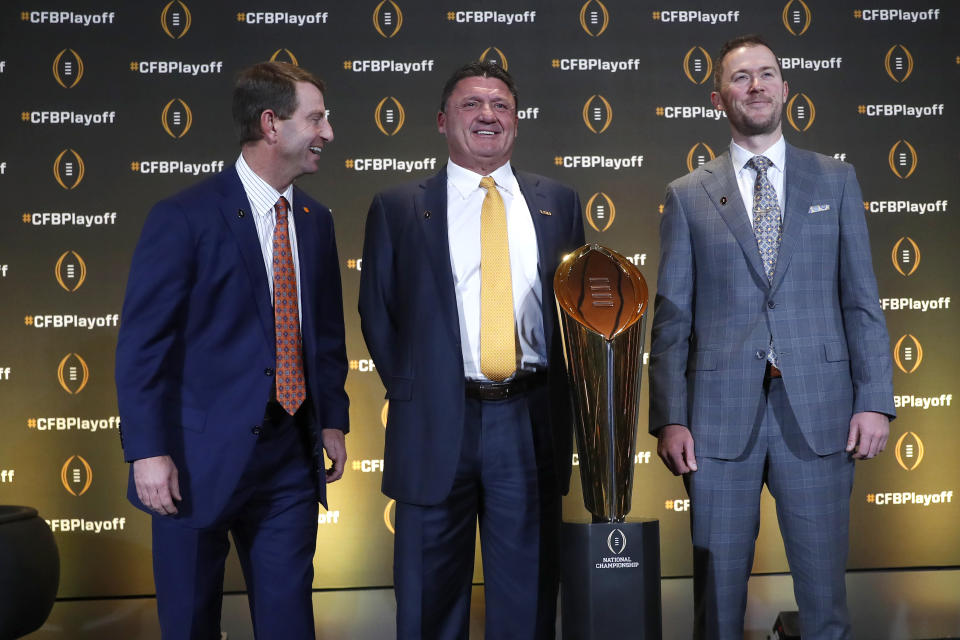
(611, 580)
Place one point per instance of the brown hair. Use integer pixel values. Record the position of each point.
(749, 40)
(267, 85)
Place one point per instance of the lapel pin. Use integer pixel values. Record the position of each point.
(546, 213)
(426, 215)
(723, 200)
(306, 209)
(240, 213)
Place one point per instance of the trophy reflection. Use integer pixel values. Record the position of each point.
(602, 304)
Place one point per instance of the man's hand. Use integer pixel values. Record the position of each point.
(157, 483)
(336, 448)
(675, 448)
(868, 434)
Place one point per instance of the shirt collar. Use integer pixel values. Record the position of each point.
(465, 181)
(776, 153)
(261, 195)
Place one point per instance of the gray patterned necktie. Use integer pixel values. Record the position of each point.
(767, 225)
(766, 215)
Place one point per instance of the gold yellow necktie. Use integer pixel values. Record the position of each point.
(498, 346)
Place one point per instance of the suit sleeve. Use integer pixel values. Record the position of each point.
(377, 291)
(331, 351)
(868, 342)
(576, 233)
(151, 329)
(672, 318)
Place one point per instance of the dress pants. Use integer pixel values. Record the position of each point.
(506, 480)
(812, 495)
(273, 519)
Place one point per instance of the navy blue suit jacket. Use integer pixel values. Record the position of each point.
(196, 354)
(408, 311)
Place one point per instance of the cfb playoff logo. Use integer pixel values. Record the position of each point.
(284, 55)
(801, 112)
(697, 65)
(597, 113)
(67, 68)
(493, 55)
(617, 542)
(389, 116)
(909, 451)
(387, 18)
(390, 516)
(600, 211)
(76, 475)
(68, 169)
(699, 154)
(594, 17)
(384, 412)
(908, 353)
(71, 271)
(902, 159)
(73, 374)
(898, 62)
(796, 17)
(175, 19)
(177, 118)
(905, 256)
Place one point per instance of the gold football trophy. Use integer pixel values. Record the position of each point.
(602, 304)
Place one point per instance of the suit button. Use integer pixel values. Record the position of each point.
(771, 304)
(268, 372)
(256, 431)
(761, 355)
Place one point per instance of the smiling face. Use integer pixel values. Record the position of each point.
(480, 123)
(752, 92)
(302, 136)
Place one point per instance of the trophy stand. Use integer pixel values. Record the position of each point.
(610, 578)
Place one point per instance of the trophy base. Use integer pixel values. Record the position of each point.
(611, 580)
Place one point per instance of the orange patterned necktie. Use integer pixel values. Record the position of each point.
(286, 316)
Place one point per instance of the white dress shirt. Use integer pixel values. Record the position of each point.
(262, 198)
(464, 201)
(747, 176)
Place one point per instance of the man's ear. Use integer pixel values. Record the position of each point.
(268, 125)
(716, 100)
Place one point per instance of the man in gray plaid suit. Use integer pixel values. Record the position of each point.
(770, 359)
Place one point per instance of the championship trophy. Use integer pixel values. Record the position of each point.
(611, 569)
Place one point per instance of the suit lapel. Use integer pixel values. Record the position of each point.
(799, 182)
(536, 203)
(721, 186)
(235, 209)
(430, 211)
(307, 254)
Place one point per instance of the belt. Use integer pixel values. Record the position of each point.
(773, 372)
(523, 382)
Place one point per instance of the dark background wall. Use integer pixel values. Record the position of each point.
(108, 107)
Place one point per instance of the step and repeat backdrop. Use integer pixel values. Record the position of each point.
(109, 106)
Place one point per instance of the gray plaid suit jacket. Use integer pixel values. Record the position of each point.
(715, 311)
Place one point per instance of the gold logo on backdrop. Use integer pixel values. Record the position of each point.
(801, 112)
(697, 65)
(902, 159)
(176, 116)
(389, 116)
(908, 353)
(594, 19)
(905, 256)
(697, 157)
(387, 18)
(899, 66)
(71, 271)
(597, 112)
(384, 412)
(280, 54)
(909, 453)
(175, 19)
(390, 516)
(76, 475)
(494, 55)
(796, 17)
(67, 68)
(600, 211)
(68, 170)
(73, 373)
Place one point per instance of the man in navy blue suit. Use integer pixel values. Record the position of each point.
(231, 365)
(457, 309)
